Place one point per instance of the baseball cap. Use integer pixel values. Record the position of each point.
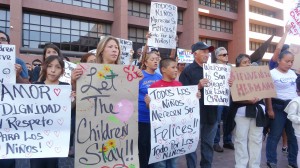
(202, 46)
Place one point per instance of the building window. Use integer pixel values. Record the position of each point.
(255, 45)
(215, 24)
(261, 11)
(105, 5)
(4, 20)
(142, 10)
(215, 43)
(67, 34)
(262, 29)
(227, 5)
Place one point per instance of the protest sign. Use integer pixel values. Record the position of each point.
(126, 48)
(126, 55)
(106, 116)
(217, 90)
(175, 122)
(185, 56)
(163, 25)
(250, 82)
(35, 121)
(294, 21)
(7, 63)
(295, 49)
(69, 66)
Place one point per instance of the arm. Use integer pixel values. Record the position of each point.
(292, 110)
(173, 51)
(145, 49)
(19, 78)
(281, 42)
(270, 108)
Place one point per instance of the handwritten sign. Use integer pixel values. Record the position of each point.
(163, 25)
(106, 116)
(217, 91)
(69, 66)
(185, 56)
(7, 62)
(175, 120)
(126, 47)
(295, 21)
(295, 49)
(250, 82)
(35, 121)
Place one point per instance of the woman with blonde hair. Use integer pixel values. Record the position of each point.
(108, 51)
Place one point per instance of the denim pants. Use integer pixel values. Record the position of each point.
(207, 132)
(276, 127)
(7, 163)
(222, 113)
(170, 163)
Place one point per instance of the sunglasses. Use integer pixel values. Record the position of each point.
(36, 64)
(224, 55)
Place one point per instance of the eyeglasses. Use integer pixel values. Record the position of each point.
(224, 55)
(2, 39)
(36, 64)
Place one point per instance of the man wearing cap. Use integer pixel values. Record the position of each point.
(193, 75)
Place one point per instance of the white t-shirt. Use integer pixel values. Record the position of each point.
(285, 84)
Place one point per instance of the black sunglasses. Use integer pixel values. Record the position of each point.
(224, 55)
(36, 64)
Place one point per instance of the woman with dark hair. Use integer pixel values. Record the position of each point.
(248, 117)
(285, 85)
(53, 68)
(88, 58)
(50, 49)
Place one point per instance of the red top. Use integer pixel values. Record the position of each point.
(162, 83)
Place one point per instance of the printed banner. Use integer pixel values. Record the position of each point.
(35, 121)
(7, 63)
(106, 116)
(163, 25)
(217, 91)
(175, 122)
(185, 56)
(295, 21)
(69, 66)
(250, 82)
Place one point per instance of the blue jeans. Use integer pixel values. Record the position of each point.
(8, 163)
(207, 132)
(276, 128)
(222, 113)
(170, 163)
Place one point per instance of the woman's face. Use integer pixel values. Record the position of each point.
(50, 51)
(245, 62)
(91, 59)
(152, 61)
(286, 62)
(111, 52)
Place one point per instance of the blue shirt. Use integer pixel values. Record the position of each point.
(24, 72)
(145, 83)
(272, 64)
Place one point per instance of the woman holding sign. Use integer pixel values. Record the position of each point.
(249, 117)
(285, 85)
(149, 65)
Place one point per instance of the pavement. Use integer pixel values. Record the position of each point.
(221, 160)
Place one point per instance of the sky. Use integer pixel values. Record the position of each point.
(291, 4)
